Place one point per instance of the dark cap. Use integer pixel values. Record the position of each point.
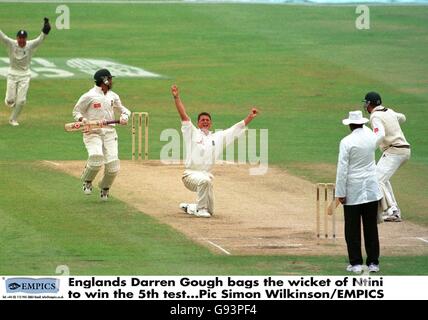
(102, 73)
(101, 76)
(374, 98)
(22, 34)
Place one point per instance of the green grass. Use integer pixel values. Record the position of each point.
(305, 77)
(42, 228)
(305, 67)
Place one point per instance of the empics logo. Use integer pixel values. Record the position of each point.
(30, 285)
(13, 286)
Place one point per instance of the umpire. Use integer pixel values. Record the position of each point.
(357, 188)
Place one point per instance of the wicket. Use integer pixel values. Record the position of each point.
(137, 121)
(326, 187)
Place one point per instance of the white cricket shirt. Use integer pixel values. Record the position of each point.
(203, 149)
(95, 105)
(385, 123)
(20, 58)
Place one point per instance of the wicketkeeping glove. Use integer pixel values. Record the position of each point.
(46, 26)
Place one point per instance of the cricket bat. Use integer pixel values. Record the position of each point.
(94, 124)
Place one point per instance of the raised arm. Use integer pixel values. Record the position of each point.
(33, 44)
(178, 104)
(5, 39)
(253, 113)
(238, 129)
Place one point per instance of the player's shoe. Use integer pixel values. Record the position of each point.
(392, 215)
(104, 194)
(87, 187)
(203, 213)
(189, 208)
(13, 123)
(397, 215)
(373, 267)
(355, 269)
(393, 218)
(183, 206)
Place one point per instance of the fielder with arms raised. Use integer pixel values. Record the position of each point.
(19, 73)
(99, 103)
(202, 149)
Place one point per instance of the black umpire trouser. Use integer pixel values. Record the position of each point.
(367, 212)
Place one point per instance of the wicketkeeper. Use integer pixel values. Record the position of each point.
(100, 103)
(203, 147)
(19, 73)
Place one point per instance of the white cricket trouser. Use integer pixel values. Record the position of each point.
(201, 182)
(102, 144)
(387, 165)
(16, 93)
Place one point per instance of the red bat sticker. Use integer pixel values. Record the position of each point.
(376, 130)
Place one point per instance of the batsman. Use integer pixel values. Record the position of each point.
(100, 103)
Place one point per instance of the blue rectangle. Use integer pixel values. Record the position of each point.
(30, 285)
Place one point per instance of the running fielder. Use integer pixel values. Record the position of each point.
(19, 74)
(99, 103)
(385, 123)
(203, 147)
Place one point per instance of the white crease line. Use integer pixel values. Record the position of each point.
(218, 247)
(51, 162)
(392, 245)
(422, 239)
(228, 162)
(267, 246)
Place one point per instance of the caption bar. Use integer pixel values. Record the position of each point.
(215, 288)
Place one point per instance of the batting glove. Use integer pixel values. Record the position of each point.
(86, 126)
(124, 119)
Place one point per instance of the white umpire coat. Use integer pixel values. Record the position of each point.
(356, 168)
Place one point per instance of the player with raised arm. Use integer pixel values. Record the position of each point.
(203, 147)
(19, 74)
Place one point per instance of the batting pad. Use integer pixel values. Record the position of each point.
(92, 167)
(110, 172)
(90, 173)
